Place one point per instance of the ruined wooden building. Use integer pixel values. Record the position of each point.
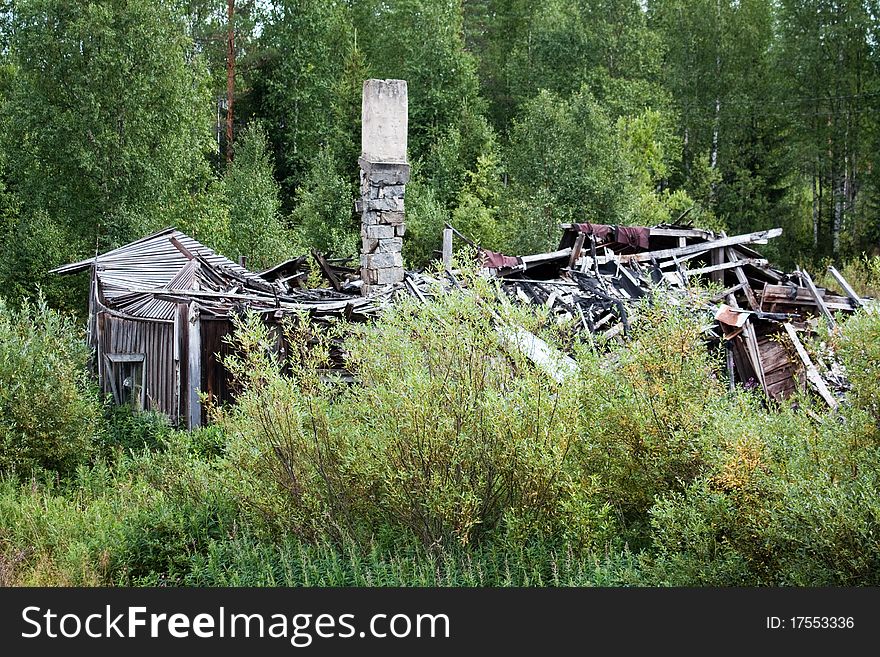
(160, 308)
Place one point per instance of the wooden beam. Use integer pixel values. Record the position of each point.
(748, 238)
(717, 275)
(327, 270)
(576, 251)
(730, 367)
(847, 288)
(779, 294)
(180, 247)
(678, 259)
(727, 292)
(194, 349)
(751, 343)
(813, 375)
(817, 297)
(446, 257)
(546, 257)
(743, 280)
(727, 265)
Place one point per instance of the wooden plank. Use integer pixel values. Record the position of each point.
(727, 265)
(748, 238)
(813, 375)
(540, 258)
(717, 275)
(730, 371)
(670, 262)
(327, 270)
(554, 363)
(180, 247)
(750, 342)
(194, 346)
(446, 257)
(847, 288)
(724, 293)
(817, 297)
(779, 294)
(576, 251)
(743, 280)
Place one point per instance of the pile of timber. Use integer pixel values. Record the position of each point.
(759, 315)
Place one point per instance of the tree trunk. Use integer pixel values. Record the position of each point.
(717, 119)
(230, 76)
(837, 193)
(816, 205)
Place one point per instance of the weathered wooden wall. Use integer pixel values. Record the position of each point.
(153, 339)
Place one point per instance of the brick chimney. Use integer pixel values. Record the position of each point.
(384, 174)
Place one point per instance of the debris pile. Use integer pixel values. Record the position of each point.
(160, 307)
(594, 278)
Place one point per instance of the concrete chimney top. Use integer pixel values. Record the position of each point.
(384, 117)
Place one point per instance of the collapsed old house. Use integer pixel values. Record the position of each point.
(161, 307)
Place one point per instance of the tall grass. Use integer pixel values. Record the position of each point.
(454, 462)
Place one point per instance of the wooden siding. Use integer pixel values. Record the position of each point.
(153, 339)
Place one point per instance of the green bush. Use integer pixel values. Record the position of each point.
(645, 407)
(50, 414)
(447, 437)
(784, 501)
(135, 430)
(140, 520)
(470, 438)
(859, 349)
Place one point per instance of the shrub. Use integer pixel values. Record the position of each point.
(138, 520)
(445, 439)
(783, 501)
(859, 349)
(49, 411)
(135, 430)
(644, 410)
(471, 437)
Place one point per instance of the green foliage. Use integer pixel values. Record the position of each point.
(564, 163)
(306, 47)
(49, 413)
(644, 419)
(33, 243)
(107, 116)
(451, 460)
(479, 437)
(134, 430)
(136, 521)
(425, 219)
(245, 561)
(324, 215)
(859, 349)
(255, 228)
(786, 502)
(604, 45)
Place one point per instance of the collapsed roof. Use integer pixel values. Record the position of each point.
(144, 280)
(592, 283)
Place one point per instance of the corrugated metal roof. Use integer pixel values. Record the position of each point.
(147, 278)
